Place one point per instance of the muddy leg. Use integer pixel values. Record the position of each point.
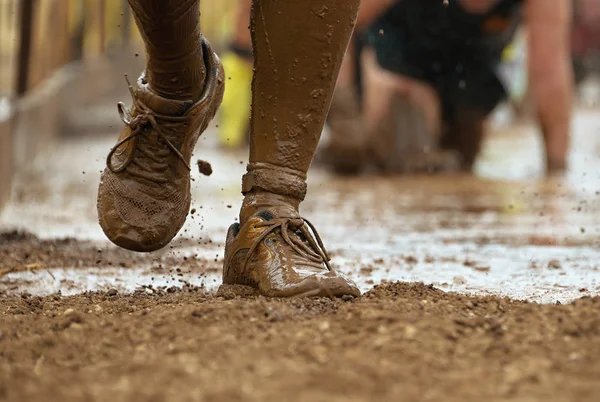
(171, 33)
(144, 193)
(298, 50)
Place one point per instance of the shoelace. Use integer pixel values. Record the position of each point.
(316, 252)
(145, 116)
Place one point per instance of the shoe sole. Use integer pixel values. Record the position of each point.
(230, 291)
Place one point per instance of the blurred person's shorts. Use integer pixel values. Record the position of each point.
(462, 75)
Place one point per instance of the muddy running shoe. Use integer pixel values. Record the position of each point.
(275, 254)
(144, 194)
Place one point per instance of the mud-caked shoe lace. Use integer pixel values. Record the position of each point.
(144, 193)
(280, 254)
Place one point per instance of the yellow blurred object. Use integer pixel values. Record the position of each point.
(235, 109)
(75, 16)
(509, 53)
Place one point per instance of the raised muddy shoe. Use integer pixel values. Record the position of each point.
(275, 254)
(144, 193)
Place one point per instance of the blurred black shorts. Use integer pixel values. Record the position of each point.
(460, 80)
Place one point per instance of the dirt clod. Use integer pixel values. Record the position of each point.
(204, 167)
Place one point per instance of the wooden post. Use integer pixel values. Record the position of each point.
(25, 39)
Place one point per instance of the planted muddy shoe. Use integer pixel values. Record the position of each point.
(275, 254)
(144, 193)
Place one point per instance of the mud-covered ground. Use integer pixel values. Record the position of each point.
(508, 309)
(397, 342)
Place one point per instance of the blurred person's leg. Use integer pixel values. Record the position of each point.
(234, 114)
(402, 119)
(402, 112)
(551, 72)
(427, 92)
(346, 148)
(298, 50)
(171, 32)
(585, 39)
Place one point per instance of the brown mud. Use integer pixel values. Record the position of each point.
(397, 342)
(83, 320)
(28, 263)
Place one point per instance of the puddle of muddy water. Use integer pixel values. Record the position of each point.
(555, 277)
(506, 232)
(70, 281)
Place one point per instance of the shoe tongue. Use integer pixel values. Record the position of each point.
(160, 105)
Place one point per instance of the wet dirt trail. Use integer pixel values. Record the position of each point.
(508, 309)
(398, 342)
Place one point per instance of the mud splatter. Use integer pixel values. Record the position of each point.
(204, 167)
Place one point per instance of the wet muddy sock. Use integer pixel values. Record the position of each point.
(171, 33)
(298, 50)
